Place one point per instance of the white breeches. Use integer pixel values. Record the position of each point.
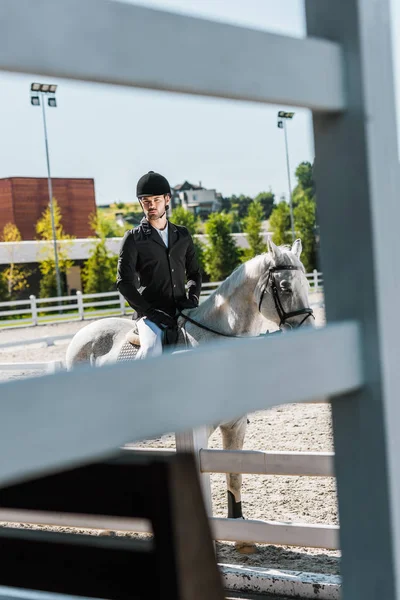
(150, 339)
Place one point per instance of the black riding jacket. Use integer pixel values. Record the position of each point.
(150, 275)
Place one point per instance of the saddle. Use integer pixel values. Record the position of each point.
(169, 338)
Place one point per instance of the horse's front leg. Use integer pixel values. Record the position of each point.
(233, 439)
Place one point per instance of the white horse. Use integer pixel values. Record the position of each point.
(270, 288)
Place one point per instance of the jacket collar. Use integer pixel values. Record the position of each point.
(173, 234)
(145, 225)
(150, 232)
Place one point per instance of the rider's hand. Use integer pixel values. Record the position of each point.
(161, 318)
(191, 302)
(194, 299)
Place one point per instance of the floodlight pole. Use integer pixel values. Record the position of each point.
(289, 184)
(282, 119)
(50, 188)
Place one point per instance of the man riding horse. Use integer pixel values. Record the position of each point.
(269, 288)
(156, 259)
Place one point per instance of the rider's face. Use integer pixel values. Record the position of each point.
(154, 207)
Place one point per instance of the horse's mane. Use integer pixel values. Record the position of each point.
(252, 269)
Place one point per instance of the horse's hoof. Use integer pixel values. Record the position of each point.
(245, 547)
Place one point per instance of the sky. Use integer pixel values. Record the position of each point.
(115, 134)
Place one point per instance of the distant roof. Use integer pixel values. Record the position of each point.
(183, 187)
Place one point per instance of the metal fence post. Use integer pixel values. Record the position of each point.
(32, 298)
(122, 304)
(193, 441)
(79, 300)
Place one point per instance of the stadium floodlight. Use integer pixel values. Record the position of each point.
(44, 89)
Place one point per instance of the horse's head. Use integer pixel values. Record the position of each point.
(282, 290)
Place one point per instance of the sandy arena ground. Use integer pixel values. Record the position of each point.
(293, 427)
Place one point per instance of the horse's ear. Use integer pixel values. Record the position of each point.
(297, 247)
(273, 249)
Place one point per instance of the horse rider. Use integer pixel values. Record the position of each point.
(155, 260)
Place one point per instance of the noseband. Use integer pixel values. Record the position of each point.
(282, 314)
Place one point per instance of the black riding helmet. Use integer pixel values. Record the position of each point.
(152, 184)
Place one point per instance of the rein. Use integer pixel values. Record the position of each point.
(206, 328)
(282, 314)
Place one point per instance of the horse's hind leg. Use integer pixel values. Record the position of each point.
(233, 439)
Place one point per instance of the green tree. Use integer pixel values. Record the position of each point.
(99, 271)
(305, 225)
(106, 225)
(239, 205)
(15, 276)
(266, 200)
(252, 226)
(304, 214)
(305, 179)
(222, 255)
(226, 204)
(181, 216)
(48, 282)
(236, 222)
(279, 223)
(3, 288)
(244, 203)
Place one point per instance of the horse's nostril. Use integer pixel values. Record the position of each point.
(285, 285)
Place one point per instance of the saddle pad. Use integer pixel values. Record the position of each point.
(127, 352)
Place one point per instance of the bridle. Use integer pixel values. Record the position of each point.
(282, 314)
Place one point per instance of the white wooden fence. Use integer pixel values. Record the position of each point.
(47, 367)
(258, 463)
(216, 461)
(343, 72)
(88, 306)
(209, 461)
(46, 340)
